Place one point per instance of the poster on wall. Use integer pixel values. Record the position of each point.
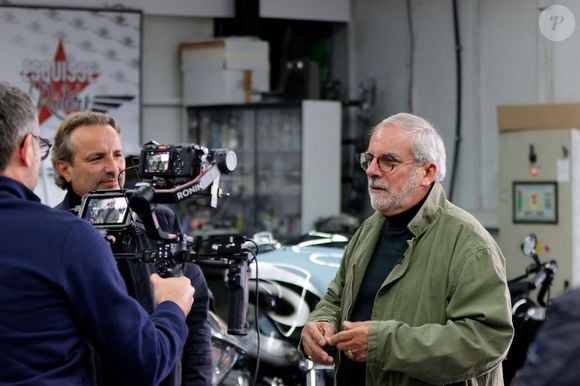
(71, 59)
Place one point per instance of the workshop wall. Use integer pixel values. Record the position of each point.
(408, 48)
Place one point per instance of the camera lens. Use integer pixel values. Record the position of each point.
(226, 160)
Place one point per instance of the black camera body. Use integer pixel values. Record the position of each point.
(182, 162)
(171, 161)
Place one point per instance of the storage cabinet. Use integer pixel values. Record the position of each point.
(288, 173)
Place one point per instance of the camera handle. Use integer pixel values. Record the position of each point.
(238, 297)
(236, 263)
(227, 252)
(167, 263)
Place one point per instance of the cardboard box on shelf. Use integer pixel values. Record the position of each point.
(538, 116)
(236, 53)
(225, 71)
(224, 86)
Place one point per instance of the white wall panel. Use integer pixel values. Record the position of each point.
(198, 8)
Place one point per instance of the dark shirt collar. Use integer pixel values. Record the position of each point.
(71, 200)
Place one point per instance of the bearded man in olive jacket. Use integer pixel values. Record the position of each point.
(421, 295)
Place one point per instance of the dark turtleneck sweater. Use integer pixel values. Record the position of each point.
(388, 252)
(70, 201)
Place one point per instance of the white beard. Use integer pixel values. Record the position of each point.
(388, 200)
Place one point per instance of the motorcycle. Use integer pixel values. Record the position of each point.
(527, 314)
(284, 286)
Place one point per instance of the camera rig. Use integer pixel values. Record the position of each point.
(171, 174)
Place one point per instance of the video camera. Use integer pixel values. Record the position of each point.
(172, 173)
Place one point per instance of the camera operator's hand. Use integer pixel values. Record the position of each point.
(174, 289)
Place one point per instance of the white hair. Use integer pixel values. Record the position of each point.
(427, 145)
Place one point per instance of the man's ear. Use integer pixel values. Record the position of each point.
(430, 173)
(63, 169)
(26, 150)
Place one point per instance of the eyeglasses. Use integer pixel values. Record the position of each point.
(386, 162)
(45, 146)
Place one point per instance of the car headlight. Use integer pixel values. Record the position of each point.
(223, 358)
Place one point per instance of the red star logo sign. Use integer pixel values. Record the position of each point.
(60, 85)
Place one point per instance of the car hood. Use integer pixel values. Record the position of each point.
(309, 267)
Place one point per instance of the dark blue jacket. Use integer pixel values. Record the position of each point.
(196, 363)
(552, 358)
(60, 290)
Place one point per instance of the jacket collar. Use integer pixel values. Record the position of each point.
(436, 199)
(17, 189)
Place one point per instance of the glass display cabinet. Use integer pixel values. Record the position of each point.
(288, 173)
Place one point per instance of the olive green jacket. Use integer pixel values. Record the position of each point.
(442, 316)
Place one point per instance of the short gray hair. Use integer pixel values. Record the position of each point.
(17, 118)
(427, 144)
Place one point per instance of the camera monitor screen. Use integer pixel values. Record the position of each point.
(157, 162)
(105, 210)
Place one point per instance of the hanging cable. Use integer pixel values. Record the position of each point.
(410, 106)
(458, 107)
